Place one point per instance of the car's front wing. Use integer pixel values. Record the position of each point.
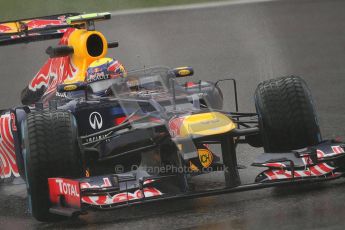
(74, 196)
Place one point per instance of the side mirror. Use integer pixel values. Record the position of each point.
(183, 71)
(61, 88)
(59, 51)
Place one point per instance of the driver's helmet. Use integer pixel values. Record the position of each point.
(104, 69)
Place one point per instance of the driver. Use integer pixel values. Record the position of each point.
(104, 69)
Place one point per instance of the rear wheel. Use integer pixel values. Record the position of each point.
(287, 116)
(50, 150)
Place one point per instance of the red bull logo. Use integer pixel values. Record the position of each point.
(41, 23)
(4, 28)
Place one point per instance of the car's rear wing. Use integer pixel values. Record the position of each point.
(34, 29)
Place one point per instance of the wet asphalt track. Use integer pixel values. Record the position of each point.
(253, 42)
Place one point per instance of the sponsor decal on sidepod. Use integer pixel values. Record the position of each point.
(8, 166)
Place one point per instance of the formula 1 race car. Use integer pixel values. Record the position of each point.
(150, 135)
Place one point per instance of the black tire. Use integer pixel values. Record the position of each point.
(51, 150)
(287, 116)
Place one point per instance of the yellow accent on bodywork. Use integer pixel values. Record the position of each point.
(81, 59)
(205, 157)
(70, 87)
(205, 124)
(14, 27)
(193, 167)
(183, 71)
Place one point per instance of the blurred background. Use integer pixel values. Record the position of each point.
(15, 9)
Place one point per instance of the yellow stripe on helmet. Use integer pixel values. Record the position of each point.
(100, 61)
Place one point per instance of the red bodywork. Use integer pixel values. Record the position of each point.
(54, 72)
(4, 28)
(69, 193)
(277, 170)
(64, 191)
(8, 166)
(42, 23)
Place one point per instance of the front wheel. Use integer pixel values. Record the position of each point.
(51, 150)
(287, 116)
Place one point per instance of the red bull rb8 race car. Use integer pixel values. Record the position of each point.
(148, 135)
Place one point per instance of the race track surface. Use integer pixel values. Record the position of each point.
(251, 42)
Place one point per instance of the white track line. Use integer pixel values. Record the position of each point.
(187, 7)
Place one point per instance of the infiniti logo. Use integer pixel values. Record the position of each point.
(96, 120)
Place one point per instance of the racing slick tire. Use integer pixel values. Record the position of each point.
(287, 117)
(51, 150)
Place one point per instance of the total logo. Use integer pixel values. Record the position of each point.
(96, 120)
(67, 189)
